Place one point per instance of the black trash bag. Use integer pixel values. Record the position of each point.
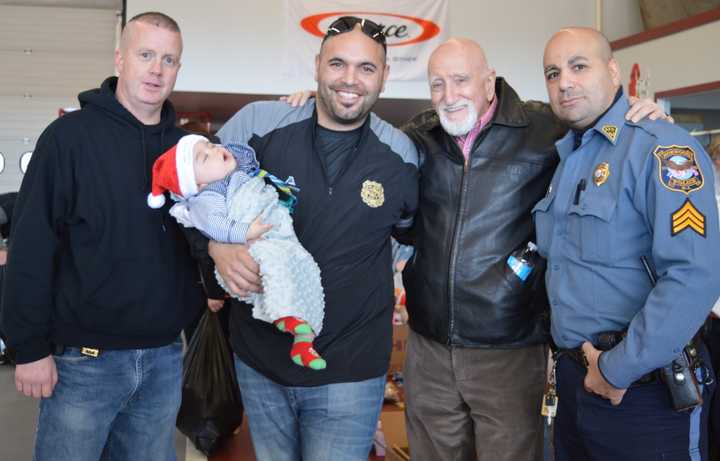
(211, 407)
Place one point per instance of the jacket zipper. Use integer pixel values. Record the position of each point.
(453, 251)
(341, 173)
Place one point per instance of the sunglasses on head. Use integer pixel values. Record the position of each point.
(348, 23)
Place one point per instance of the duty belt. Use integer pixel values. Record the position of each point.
(578, 356)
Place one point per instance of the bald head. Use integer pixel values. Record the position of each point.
(581, 75)
(593, 40)
(460, 48)
(462, 85)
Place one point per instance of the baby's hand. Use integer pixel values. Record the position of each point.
(257, 229)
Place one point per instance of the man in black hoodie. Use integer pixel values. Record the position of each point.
(99, 285)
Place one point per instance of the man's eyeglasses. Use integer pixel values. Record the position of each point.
(348, 23)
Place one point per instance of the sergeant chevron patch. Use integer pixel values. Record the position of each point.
(688, 217)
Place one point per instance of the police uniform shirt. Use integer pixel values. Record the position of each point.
(630, 190)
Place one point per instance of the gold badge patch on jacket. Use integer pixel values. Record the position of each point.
(688, 217)
(372, 194)
(601, 173)
(678, 169)
(610, 131)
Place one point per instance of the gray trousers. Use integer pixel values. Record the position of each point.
(473, 404)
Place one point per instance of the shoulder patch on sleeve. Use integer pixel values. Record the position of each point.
(678, 169)
(688, 217)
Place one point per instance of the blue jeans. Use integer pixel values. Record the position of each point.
(121, 405)
(321, 423)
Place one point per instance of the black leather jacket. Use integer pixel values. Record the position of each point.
(460, 290)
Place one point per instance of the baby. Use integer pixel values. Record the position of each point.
(221, 191)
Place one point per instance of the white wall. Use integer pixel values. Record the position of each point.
(239, 47)
(621, 18)
(675, 61)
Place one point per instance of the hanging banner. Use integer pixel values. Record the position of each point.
(413, 28)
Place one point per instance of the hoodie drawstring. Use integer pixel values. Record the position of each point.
(147, 172)
(146, 184)
(162, 146)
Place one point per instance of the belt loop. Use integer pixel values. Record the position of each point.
(57, 349)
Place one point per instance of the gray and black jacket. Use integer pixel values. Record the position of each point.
(346, 226)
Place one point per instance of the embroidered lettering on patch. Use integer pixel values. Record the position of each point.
(372, 194)
(678, 168)
(601, 173)
(688, 217)
(610, 131)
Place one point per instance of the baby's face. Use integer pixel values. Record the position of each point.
(211, 162)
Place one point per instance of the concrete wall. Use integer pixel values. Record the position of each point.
(48, 56)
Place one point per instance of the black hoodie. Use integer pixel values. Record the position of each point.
(90, 263)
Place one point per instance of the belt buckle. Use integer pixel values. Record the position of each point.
(90, 352)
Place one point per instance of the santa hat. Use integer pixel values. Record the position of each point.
(173, 171)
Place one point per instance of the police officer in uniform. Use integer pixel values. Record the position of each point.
(623, 191)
